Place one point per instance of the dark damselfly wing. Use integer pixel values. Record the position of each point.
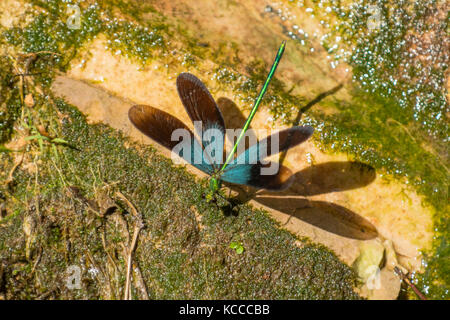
(156, 124)
(247, 167)
(198, 101)
(159, 126)
(201, 106)
(251, 175)
(275, 143)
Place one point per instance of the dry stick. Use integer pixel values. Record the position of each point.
(29, 59)
(11, 173)
(38, 259)
(140, 284)
(137, 229)
(97, 267)
(47, 294)
(406, 279)
(111, 260)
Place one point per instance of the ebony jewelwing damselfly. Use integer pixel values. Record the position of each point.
(201, 106)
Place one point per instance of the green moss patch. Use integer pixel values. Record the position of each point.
(64, 211)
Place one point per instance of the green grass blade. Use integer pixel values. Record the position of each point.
(257, 103)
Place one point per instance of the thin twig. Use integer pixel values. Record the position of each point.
(137, 272)
(139, 281)
(38, 259)
(137, 229)
(111, 260)
(136, 214)
(406, 279)
(11, 173)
